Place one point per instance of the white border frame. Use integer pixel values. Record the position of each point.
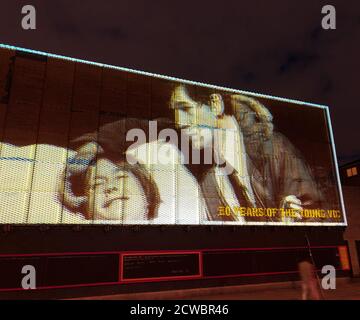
(254, 94)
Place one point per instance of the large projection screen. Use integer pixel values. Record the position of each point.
(88, 143)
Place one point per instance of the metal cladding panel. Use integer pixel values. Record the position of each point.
(88, 143)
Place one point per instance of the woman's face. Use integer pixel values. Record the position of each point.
(117, 193)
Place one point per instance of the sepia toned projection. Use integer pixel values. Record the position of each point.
(85, 143)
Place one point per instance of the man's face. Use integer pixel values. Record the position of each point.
(196, 121)
(117, 193)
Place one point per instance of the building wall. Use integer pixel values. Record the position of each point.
(352, 234)
(267, 255)
(350, 174)
(56, 103)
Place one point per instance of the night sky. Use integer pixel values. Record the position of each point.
(272, 47)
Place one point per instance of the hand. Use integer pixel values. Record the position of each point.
(78, 164)
(292, 202)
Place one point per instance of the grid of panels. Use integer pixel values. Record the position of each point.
(60, 124)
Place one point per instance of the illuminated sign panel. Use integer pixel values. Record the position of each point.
(86, 143)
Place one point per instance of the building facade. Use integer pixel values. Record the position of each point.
(115, 180)
(351, 189)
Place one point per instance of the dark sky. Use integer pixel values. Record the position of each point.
(273, 47)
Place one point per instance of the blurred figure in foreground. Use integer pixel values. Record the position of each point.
(309, 284)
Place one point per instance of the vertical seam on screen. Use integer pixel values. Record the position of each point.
(98, 113)
(68, 143)
(36, 142)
